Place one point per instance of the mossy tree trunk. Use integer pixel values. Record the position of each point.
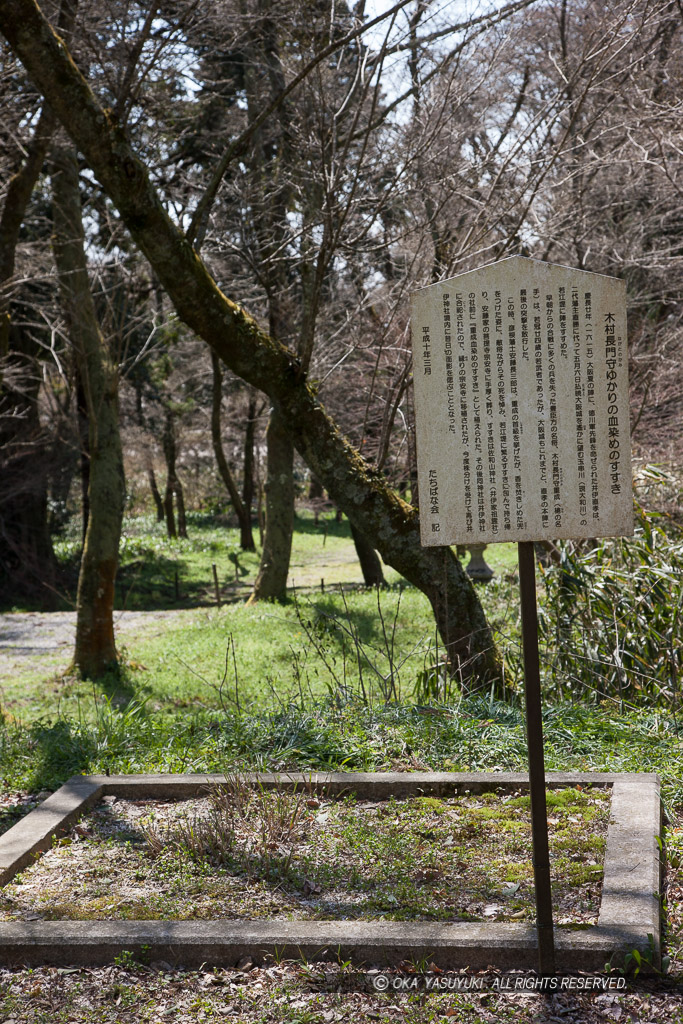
(389, 523)
(95, 650)
(271, 580)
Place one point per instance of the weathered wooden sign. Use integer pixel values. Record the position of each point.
(522, 418)
(521, 404)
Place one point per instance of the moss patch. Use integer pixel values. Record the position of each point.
(241, 854)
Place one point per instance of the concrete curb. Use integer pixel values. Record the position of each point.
(632, 871)
(34, 834)
(629, 914)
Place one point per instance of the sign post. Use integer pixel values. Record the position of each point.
(534, 733)
(522, 422)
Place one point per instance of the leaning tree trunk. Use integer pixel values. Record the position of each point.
(246, 537)
(95, 650)
(370, 564)
(388, 522)
(271, 581)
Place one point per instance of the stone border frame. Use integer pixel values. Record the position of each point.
(629, 915)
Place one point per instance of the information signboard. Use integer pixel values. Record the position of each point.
(521, 405)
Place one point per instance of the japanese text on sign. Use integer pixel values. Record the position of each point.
(521, 397)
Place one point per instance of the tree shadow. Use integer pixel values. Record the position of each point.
(117, 685)
(64, 747)
(155, 582)
(324, 527)
(365, 622)
(57, 752)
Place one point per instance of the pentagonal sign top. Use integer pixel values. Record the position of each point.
(520, 371)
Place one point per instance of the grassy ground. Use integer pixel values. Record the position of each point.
(327, 682)
(157, 572)
(309, 643)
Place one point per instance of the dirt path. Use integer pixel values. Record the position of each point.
(47, 638)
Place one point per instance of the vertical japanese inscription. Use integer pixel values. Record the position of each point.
(522, 404)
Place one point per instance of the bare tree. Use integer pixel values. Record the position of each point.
(95, 649)
(389, 523)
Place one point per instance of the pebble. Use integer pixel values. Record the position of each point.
(161, 965)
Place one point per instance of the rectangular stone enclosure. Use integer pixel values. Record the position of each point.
(629, 915)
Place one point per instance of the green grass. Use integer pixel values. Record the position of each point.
(470, 735)
(310, 643)
(182, 663)
(157, 572)
(164, 712)
(325, 681)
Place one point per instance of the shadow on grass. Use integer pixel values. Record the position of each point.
(335, 620)
(149, 579)
(117, 686)
(45, 754)
(54, 753)
(156, 582)
(324, 526)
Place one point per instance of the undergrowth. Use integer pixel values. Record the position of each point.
(474, 734)
(612, 618)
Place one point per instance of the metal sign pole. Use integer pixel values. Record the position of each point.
(522, 431)
(534, 730)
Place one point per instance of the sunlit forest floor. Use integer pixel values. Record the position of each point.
(338, 677)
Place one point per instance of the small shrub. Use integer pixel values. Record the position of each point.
(612, 617)
(251, 826)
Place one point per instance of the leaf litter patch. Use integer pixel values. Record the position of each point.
(251, 853)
